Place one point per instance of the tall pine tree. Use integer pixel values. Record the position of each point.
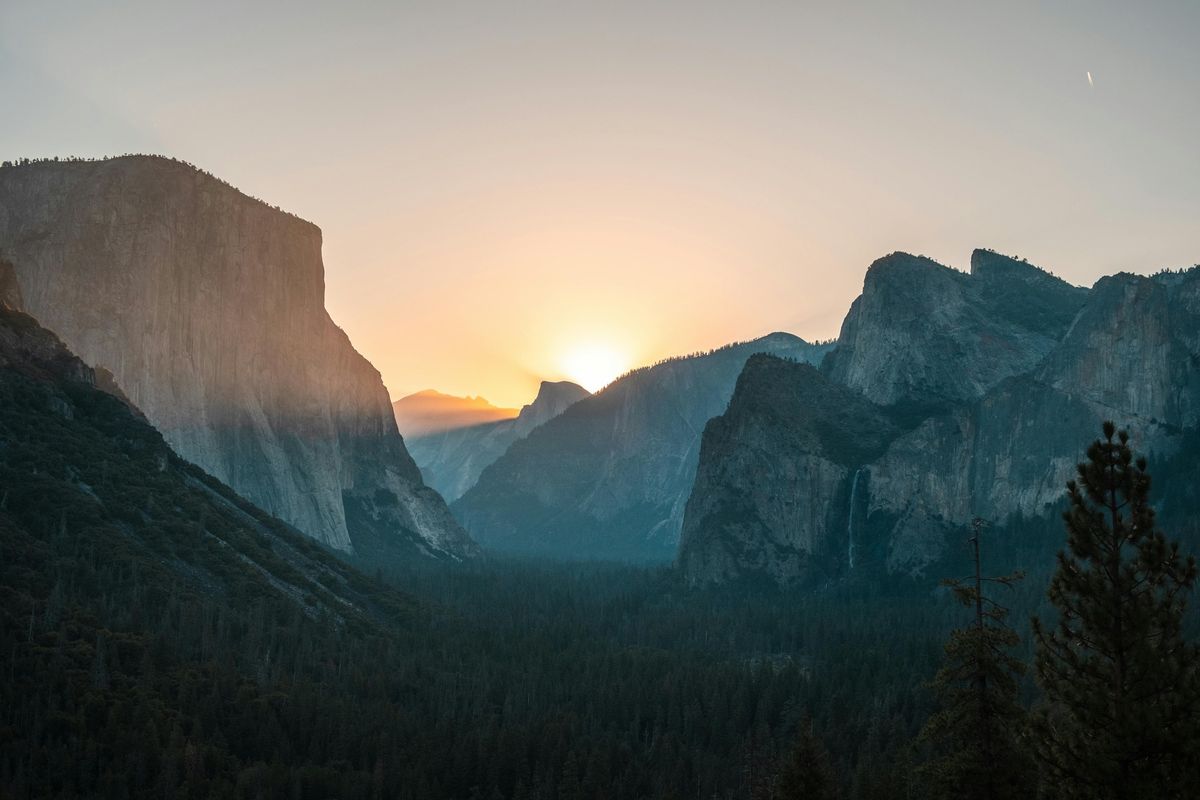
(976, 735)
(1121, 683)
(806, 772)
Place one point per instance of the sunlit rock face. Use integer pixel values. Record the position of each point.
(208, 308)
(610, 476)
(452, 460)
(988, 408)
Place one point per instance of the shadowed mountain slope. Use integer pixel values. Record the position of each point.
(609, 477)
(451, 461)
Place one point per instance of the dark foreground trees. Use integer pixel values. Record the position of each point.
(1120, 681)
(806, 772)
(502, 679)
(976, 733)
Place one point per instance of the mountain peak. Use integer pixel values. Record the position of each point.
(452, 459)
(902, 264)
(548, 391)
(429, 411)
(990, 265)
(611, 475)
(553, 398)
(915, 316)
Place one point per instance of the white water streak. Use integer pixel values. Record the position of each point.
(850, 519)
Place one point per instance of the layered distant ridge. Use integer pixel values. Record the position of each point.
(452, 460)
(609, 477)
(430, 411)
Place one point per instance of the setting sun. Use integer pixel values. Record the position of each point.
(593, 366)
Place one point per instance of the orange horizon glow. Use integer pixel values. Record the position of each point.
(594, 365)
(502, 185)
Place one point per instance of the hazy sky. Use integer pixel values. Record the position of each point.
(501, 185)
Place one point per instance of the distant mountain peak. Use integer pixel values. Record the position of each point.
(429, 411)
(451, 460)
(553, 398)
(476, 399)
(783, 337)
(552, 391)
(610, 476)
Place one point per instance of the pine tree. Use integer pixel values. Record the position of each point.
(977, 733)
(1121, 684)
(807, 773)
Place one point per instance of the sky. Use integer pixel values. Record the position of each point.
(515, 191)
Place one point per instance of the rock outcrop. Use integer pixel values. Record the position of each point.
(610, 476)
(927, 334)
(451, 461)
(779, 479)
(208, 308)
(990, 405)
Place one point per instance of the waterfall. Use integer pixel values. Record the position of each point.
(850, 519)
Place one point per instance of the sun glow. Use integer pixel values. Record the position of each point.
(593, 366)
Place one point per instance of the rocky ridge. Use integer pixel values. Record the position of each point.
(924, 333)
(994, 383)
(610, 476)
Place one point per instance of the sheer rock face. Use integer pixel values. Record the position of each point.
(610, 476)
(10, 290)
(924, 333)
(452, 460)
(1007, 445)
(777, 473)
(208, 308)
(1134, 348)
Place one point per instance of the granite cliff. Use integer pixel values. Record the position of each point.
(924, 333)
(990, 384)
(610, 476)
(208, 308)
(118, 493)
(452, 460)
(775, 502)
